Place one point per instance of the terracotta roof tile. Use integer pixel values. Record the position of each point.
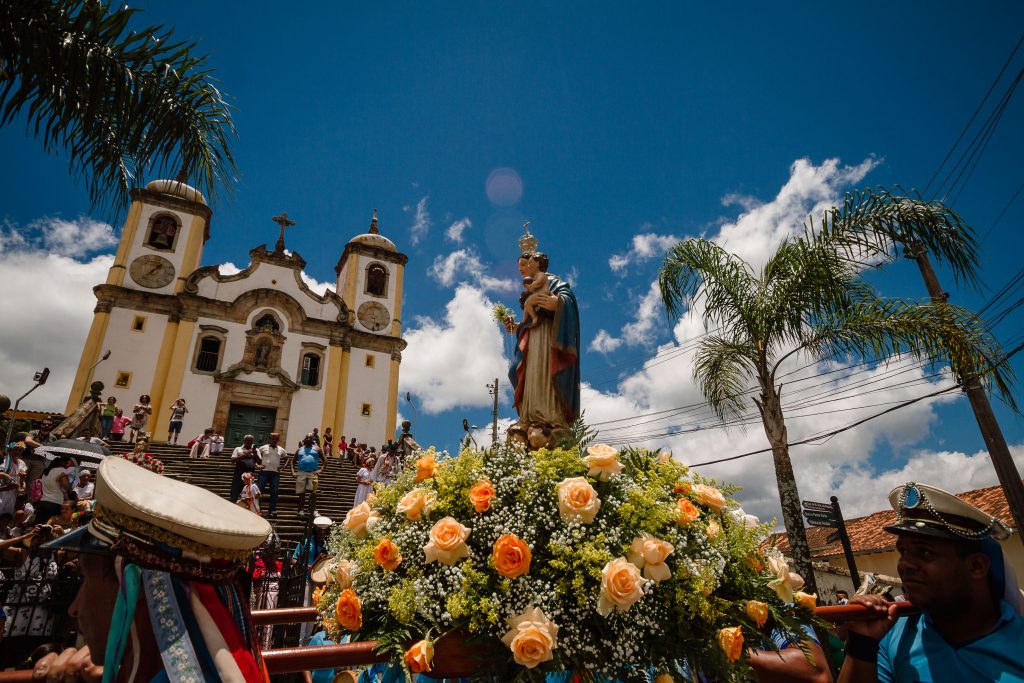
(868, 536)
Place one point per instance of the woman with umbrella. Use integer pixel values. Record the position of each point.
(56, 487)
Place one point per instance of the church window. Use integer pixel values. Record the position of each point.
(123, 379)
(139, 323)
(208, 357)
(310, 370)
(367, 410)
(268, 323)
(370, 360)
(163, 231)
(376, 280)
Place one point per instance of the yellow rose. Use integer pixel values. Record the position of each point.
(806, 600)
(532, 637)
(420, 657)
(621, 586)
(348, 611)
(577, 500)
(709, 496)
(417, 503)
(785, 582)
(426, 467)
(317, 594)
(511, 556)
(480, 495)
(387, 555)
(731, 642)
(361, 519)
(371, 498)
(649, 553)
(344, 572)
(603, 461)
(447, 543)
(714, 529)
(687, 511)
(757, 611)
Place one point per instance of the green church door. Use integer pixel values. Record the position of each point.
(244, 420)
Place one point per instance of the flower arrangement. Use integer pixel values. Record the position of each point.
(501, 312)
(617, 564)
(146, 460)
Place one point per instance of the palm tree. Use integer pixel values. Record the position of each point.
(117, 102)
(811, 298)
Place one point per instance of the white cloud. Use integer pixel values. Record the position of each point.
(55, 235)
(455, 230)
(644, 247)
(314, 284)
(229, 268)
(642, 330)
(421, 220)
(464, 265)
(448, 362)
(604, 342)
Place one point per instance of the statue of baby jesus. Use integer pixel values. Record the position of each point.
(536, 287)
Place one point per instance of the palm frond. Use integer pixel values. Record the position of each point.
(722, 368)
(118, 103)
(699, 267)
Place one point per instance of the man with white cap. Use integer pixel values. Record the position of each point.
(952, 567)
(160, 600)
(309, 551)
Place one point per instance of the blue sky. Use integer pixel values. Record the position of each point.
(628, 126)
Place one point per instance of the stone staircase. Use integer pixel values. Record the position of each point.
(336, 486)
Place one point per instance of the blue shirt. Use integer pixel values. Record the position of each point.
(913, 651)
(321, 675)
(307, 459)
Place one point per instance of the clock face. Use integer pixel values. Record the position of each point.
(152, 271)
(373, 316)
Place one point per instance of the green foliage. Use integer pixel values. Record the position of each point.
(119, 102)
(580, 434)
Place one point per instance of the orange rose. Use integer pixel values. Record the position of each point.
(532, 638)
(426, 467)
(757, 611)
(731, 642)
(603, 461)
(511, 556)
(806, 600)
(649, 553)
(420, 657)
(621, 586)
(687, 511)
(682, 487)
(447, 543)
(709, 496)
(360, 520)
(755, 563)
(317, 594)
(577, 500)
(387, 555)
(417, 503)
(481, 494)
(348, 612)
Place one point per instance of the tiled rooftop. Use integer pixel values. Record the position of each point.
(868, 536)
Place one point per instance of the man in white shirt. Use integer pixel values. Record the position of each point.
(270, 471)
(217, 443)
(85, 488)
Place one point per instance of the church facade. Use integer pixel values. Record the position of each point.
(251, 352)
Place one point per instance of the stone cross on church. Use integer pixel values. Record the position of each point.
(284, 222)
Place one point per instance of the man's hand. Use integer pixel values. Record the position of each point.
(547, 301)
(69, 665)
(873, 628)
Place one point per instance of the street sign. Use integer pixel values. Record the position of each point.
(834, 536)
(820, 518)
(811, 505)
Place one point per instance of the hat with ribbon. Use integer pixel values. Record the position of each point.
(928, 511)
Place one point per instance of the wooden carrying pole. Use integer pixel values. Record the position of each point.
(292, 659)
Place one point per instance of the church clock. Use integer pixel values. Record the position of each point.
(152, 271)
(373, 316)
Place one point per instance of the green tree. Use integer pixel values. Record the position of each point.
(811, 298)
(118, 103)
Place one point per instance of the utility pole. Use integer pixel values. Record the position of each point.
(1009, 477)
(494, 416)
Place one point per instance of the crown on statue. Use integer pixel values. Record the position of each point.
(527, 243)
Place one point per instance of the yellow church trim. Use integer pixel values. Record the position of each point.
(350, 282)
(390, 422)
(396, 325)
(329, 418)
(174, 378)
(131, 226)
(193, 247)
(90, 354)
(341, 403)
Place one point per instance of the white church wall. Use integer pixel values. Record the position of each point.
(131, 351)
(267, 276)
(307, 413)
(367, 385)
(200, 393)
